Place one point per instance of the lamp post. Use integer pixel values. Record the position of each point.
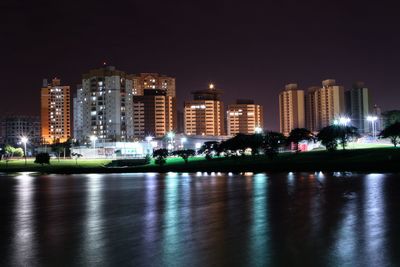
(24, 140)
(183, 141)
(171, 136)
(149, 139)
(373, 120)
(93, 139)
(258, 130)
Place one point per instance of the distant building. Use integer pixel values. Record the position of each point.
(55, 113)
(154, 114)
(244, 117)
(311, 108)
(204, 115)
(12, 128)
(144, 81)
(358, 106)
(104, 106)
(376, 111)
(328, 104)
(291, 109)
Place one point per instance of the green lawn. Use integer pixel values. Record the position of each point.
(385, 159)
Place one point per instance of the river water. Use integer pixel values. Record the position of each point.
(286, 219)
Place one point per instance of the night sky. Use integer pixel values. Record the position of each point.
(250, 49)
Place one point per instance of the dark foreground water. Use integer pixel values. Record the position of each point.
(300, 219)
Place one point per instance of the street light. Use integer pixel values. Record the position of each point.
(24, 140)
(373, 120)
(93, 138)
(148, 139)
(171, 136)
(344, 121)
(183, 141)
(258, 130)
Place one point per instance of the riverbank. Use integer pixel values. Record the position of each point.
(362, 160)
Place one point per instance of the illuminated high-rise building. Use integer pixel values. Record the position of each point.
(204, 115)
(154, 114)
(55, 112)
(244, 117)
(291, 109)
(144, 81)
(104, 106)
(325, 104)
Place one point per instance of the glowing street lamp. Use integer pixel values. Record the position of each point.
(344, 121)
(24, 140)
(373, 120)
(148, 139)
(258, 130)
(93, 139)
(171, 136)
(183, 141)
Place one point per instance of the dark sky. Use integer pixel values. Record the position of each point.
(250, 49)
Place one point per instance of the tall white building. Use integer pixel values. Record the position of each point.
(291, 109)
(104, 106)
(328, 104)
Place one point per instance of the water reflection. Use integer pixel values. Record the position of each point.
(23, 240)
(291, 219)
(258, 238)
(93, 246)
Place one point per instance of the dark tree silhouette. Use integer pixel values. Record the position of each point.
(299, 134)
(271, 143)
(42, 158)
(392, 132)
(184, 154)
(160, 155)
(333, 135)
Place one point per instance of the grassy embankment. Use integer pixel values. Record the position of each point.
(363, 160)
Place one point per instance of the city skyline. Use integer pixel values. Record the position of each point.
(270, 46)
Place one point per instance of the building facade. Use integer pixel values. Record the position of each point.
(104, 106)
(358, 106)
(291, 109)
(13, 128)
(154, 114)
(144, 81)
(204, 115)
(244, 117)
(55, 112)
(327, 104)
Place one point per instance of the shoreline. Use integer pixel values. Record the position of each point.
(382, 160)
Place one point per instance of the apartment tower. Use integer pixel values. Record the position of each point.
(104, 106)
(244, 117)
(291, 109)
(204, 115)
(55, 112)
(144, 81)
(154, 114)
(358, 106)
(325, 104)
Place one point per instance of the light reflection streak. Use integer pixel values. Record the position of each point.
(259, 241)
(94, 239)
(151, 195)
(171, 220)
(24, 249)
(374, 213)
